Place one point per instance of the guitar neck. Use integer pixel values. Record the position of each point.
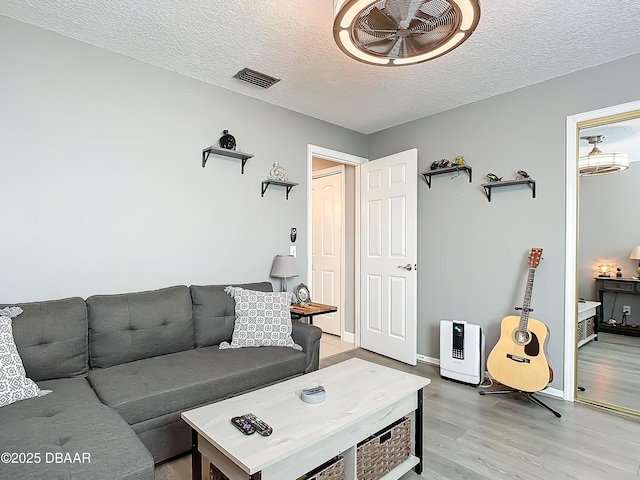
(526, 304)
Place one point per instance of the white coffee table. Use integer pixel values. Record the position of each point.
(362, 398)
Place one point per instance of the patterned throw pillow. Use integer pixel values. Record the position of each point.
(263, 319)
(14, 384)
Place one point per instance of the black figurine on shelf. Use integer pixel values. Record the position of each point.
(227, 141)
(618, 272)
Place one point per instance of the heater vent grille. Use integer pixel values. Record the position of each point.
(256, 78)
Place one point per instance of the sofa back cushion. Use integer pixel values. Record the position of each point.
(214, 311)
(51, 338)
(133, 326)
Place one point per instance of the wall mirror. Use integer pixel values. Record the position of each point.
(608, 345)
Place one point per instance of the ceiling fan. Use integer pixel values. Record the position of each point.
(402, 32)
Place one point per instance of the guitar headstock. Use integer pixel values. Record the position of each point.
(534, 257)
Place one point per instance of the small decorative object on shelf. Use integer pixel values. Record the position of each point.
(227, 141)
(444, 163)
(521, 175)
(493, 178)
(277, 176)
(278, 173)
(458, 161)
(618, 272)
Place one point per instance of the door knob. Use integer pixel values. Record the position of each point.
(407, 267)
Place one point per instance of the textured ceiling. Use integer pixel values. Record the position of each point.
(517, 43)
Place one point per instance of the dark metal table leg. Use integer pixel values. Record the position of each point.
(419, 433)
(196, 457)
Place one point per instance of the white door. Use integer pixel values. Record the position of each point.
(388, 249)
(326, 246)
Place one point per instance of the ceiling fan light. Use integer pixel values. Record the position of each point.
(401, 32)
(470, 12)
(603, 163)
(350, 13)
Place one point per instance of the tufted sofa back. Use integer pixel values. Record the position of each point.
(214, 312)
(55, 329)
(132, 326)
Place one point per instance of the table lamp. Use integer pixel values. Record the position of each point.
(635, 255)
(284, 266)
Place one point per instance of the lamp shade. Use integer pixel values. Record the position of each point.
(635, 253)
(284, 266)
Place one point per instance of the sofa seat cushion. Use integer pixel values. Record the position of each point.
(177, 382)
(75, 435)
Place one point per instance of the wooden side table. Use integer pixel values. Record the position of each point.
(311, 310)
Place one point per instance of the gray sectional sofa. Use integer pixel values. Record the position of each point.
(122, 368)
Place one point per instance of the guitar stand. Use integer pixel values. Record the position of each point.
(528, 395)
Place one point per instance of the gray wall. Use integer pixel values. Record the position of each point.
(102, 185)
(609, 229)
(472, 254)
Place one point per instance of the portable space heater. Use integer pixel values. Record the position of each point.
(462, 352)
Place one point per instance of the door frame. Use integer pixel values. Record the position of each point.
(355, 161)
(571, 243)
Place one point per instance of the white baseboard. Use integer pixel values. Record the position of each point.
(349, 337)
(429, 360)
(553, 392)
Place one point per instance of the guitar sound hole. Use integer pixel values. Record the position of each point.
(521, 337)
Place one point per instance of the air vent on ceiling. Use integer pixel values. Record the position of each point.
(260, 79)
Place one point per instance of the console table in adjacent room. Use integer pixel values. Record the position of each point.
(629, 286)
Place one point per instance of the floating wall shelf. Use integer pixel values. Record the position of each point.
(488, 186)
(289, 185)
(225, 153)
(430, 173)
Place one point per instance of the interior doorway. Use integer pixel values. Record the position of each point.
(575, 124)
(324, 163)
(328, 242)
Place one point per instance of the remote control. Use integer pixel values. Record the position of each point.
(243, 425)
(313, 391)
(260, 427)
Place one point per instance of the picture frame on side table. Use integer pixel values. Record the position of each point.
(302, 293)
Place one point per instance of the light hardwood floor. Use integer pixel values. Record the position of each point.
(474, 437)
(609, 370)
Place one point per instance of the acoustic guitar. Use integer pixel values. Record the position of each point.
(519, 359)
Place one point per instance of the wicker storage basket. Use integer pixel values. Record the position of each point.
(590, 326)
(581, 332)
(215, 474)
(381, 453)
(332, 470)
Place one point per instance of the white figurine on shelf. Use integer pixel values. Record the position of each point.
(278, 173)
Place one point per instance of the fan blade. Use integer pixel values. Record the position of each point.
(394, 51)
(403, 11)
(411, 47)
(377, 20)
(375, 45)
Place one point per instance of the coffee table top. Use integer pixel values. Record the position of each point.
(355, 389)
